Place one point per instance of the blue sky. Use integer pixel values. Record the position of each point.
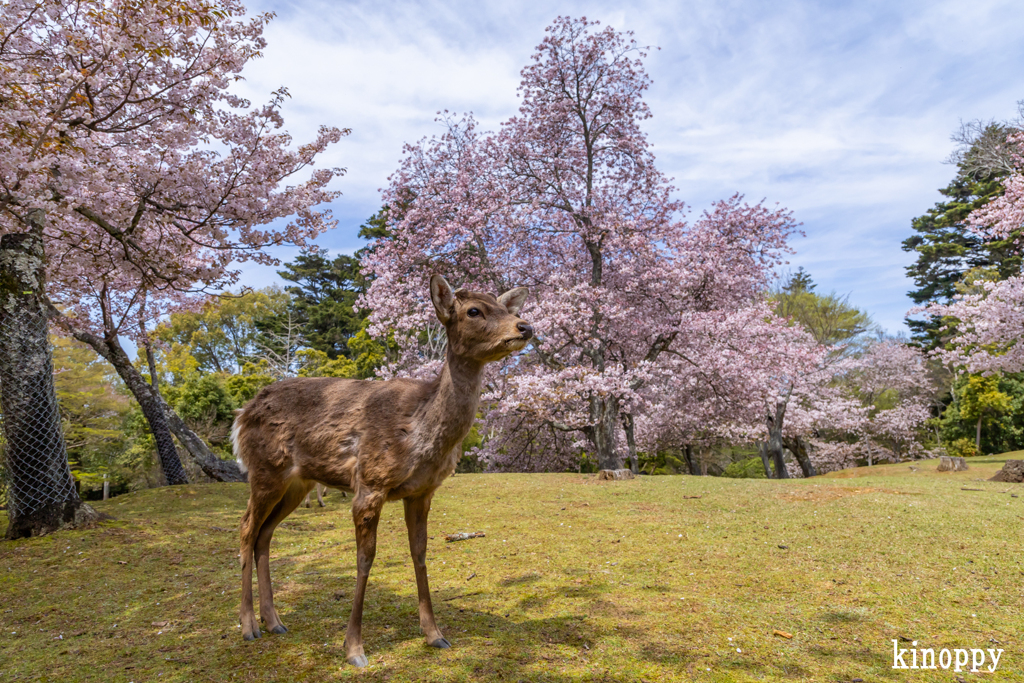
(839, 111)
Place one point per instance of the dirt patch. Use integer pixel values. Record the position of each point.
(833, 493)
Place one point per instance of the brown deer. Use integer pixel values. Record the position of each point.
(382, 440)
(321, 491)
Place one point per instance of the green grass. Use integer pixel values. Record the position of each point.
(662, 578)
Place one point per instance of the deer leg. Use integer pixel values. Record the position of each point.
(261, 505)
(291, 499)
(416, 510)
(320, 490)
(306, 503)
(365, 513)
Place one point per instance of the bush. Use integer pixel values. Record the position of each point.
(244, 387)
(751, 468)
(961, 448)
(201, 398)
(664, 461)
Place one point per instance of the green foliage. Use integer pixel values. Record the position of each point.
(961, 448)
(829, 318)
(751, 468)
(986, 398)
(201, 398)
(663, 461)
(325, 294)
(316, 363)
(93, 408)
(369, 354)
(244, 386)
(980, 398)
(324, 299)
(227, 333)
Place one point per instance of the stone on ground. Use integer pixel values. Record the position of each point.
(1012, 472)
(615, 474)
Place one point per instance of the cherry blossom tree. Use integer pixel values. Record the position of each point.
(893, 383)
(142, 176)
(565, 198)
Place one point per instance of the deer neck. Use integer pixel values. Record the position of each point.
(451, 410)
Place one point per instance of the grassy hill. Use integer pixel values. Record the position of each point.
(658, 579)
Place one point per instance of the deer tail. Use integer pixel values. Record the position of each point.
(236, 448)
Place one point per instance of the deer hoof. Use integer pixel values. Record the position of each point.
(279, 629)
(440, 643)
(358, 661)
(251, 636)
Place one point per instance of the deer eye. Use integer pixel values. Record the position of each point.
(473, 312)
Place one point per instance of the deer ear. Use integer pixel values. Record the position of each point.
(442, 296)
(513, 299)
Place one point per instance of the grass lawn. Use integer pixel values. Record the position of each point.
(657, 579)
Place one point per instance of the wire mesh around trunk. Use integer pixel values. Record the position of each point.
(36, 458)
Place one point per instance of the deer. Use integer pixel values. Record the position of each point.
(381, 440)
(321, 491)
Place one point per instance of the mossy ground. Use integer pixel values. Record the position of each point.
(658, 579)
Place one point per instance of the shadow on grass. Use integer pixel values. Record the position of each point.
(521, 580)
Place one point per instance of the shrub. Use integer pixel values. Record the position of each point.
(751, 468)
(961, 448)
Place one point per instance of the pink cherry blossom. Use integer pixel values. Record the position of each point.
(627, 296)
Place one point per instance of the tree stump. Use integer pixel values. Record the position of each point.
(951, 464)
(615, 474)
(1012, 472)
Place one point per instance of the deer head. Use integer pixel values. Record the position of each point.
(480, 327)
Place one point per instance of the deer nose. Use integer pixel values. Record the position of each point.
(526, 329)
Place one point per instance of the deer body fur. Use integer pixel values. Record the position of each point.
(380, 440)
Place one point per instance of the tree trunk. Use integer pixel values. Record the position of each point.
(688, 455)
(212, 466)
(977, 437)
(777, 452)
(152, 407)
(42, 496)
(150, 357)
(799, 449)
(604, 413)
(762, 450)
(775, 448)
(629, 427)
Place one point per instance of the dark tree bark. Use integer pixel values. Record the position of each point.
(110, 348)
(154, 380)
(604, 412)
(776, 451)
(762, 450)
(212, 466)
(690, 463)
(629, 426)
(42, 496)
(799, 449)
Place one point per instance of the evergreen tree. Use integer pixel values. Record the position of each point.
(830, 318)
(326, 290)
(946, 249)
